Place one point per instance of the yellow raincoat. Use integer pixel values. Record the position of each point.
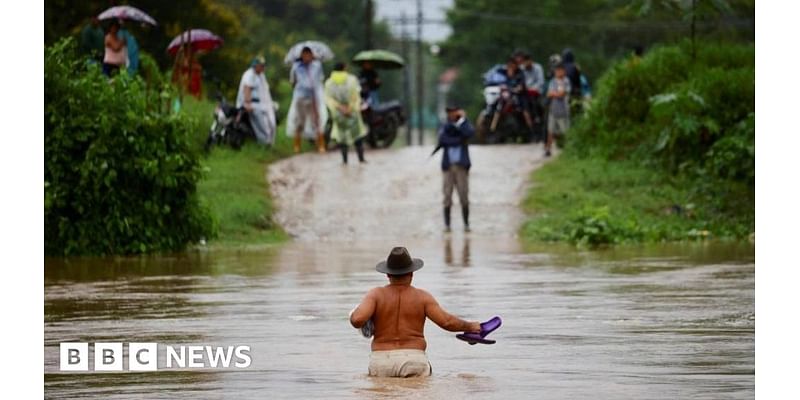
(343, 89)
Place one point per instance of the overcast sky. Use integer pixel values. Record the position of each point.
(430, 8)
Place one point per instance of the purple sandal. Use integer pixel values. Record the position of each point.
(486, 328)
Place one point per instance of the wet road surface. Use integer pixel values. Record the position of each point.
(398, 194)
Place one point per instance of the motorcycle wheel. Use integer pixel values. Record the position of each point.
(482, 127)
(235, 140)
(386, 136)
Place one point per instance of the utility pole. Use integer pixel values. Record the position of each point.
(368, 25)
(420, 76)
(406, 76)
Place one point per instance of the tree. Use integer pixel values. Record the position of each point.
(689, 10)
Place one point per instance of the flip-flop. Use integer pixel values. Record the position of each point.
(490, 326)
(486, 328)
(473, 338)
(368, 329)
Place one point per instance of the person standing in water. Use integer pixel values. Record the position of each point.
(398, 312)
(454, 138)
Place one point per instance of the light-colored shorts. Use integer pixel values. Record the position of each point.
(399, 363)
(557, 125)
(305, 112)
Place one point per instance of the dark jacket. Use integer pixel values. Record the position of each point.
(572, 71)
(452, 135)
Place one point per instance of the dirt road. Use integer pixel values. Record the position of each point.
(398, 193)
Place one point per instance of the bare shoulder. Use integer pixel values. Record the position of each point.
(375, 292)
(424, 295)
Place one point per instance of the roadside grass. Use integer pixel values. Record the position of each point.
(594, 201)
(235, 186)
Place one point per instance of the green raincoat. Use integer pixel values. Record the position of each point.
(343, 89)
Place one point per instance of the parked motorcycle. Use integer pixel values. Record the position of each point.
(383, 121)
(230, 126)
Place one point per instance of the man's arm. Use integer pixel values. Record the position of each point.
(363, 312)
(292, 75)
(445, 320)
(248, 104)
(465, 128)
(538, 74)
(447, 138)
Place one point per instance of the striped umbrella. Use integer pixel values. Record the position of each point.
(199, 39)
(127, 12)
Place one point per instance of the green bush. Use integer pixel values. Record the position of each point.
(665, 152)
(667, 108)
(120, 172)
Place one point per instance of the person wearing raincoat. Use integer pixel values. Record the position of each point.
(133, 48)
(343, 98)
(307, 114)
(255, 97)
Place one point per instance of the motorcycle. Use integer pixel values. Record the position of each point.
(502, 117)
(383, 121)
(230, 126)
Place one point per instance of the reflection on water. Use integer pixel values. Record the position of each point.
(641, 322)
(448, 252)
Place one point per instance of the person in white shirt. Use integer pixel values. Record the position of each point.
(255, 97)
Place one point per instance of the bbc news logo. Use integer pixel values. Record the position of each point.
(144, 357)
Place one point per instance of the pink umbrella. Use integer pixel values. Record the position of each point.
(200, 40)
(126, 12)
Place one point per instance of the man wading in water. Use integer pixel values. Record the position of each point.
(398, 311)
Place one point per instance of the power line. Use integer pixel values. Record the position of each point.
(743, 23)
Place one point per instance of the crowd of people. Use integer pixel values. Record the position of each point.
(315, 100)
(542, 97)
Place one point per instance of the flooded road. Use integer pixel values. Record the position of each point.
(654, 322)
(659, 323)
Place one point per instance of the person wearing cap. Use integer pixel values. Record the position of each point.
(454, 138)
(534, 86)
(307, 114)
(398, 312)
(255, 97)
(343, 98)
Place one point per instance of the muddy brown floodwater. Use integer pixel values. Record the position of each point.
(655, 322)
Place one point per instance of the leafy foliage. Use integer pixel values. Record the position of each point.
(249, 27)
(120, 171)
(599, 32)
(666, 152)
(665, 109)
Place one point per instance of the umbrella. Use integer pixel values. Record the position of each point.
(383, 59)
(321, 51)
(200, 39)
(126, 12)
